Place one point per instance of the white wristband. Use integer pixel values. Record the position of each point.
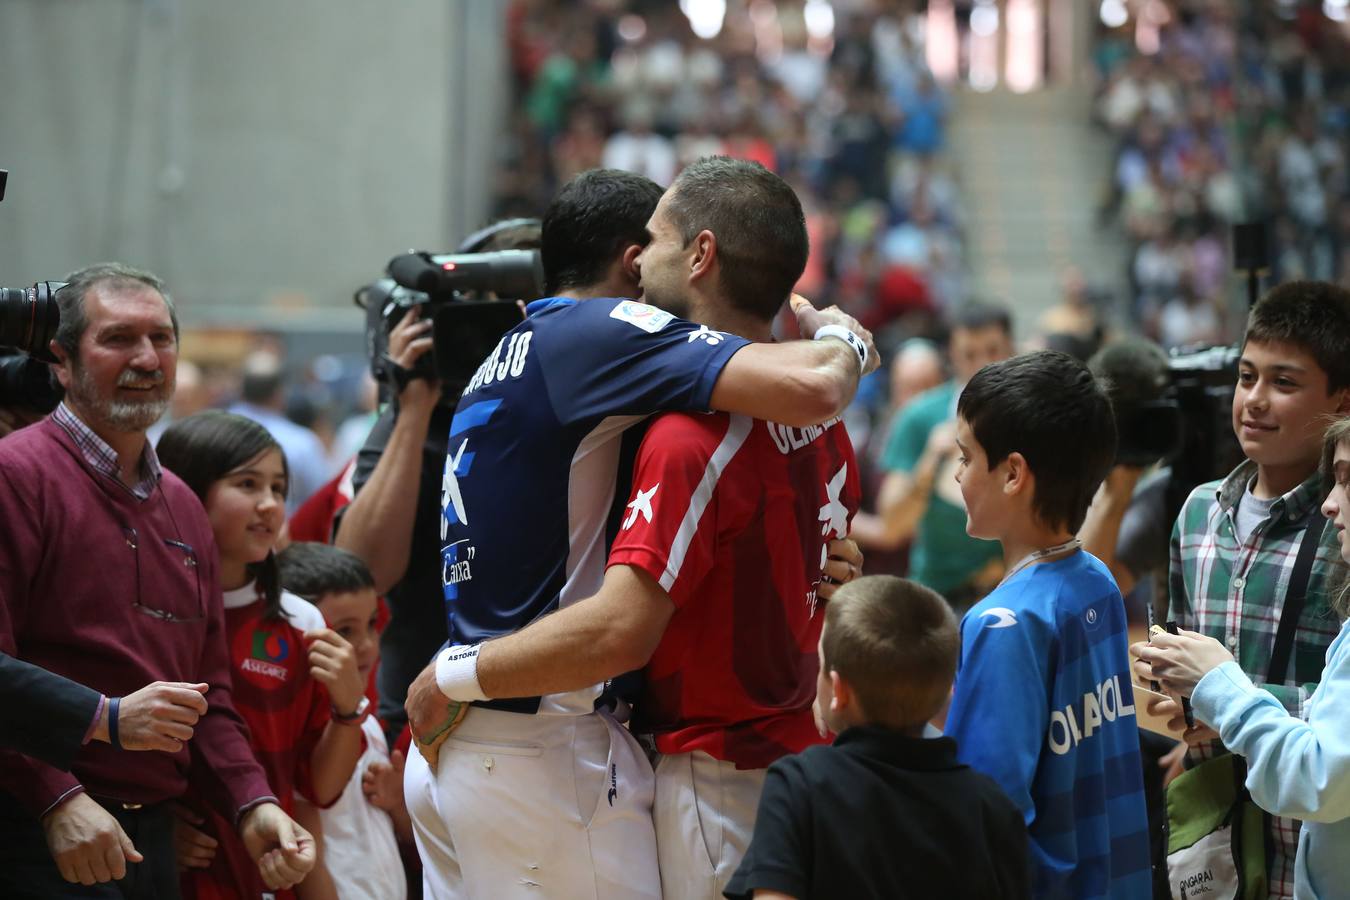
(457, 673)
(839, 331)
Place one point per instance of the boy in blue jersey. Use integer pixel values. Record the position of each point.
(1036, 438)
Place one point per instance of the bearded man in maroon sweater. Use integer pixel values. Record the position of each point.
(108, 576)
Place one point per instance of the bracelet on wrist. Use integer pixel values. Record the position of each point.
(114, 739)
(356, 717)
(840, 332)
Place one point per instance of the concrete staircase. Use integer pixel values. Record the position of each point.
(1033, 169)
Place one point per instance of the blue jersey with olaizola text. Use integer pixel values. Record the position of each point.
(1043, 705)
(535, 451)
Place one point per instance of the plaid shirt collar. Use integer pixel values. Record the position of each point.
(1292, 508)
(103, 458)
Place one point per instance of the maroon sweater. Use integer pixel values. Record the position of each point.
(70, 584)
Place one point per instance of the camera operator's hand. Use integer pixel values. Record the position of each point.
(810, 320)
(409, 341)
(1121, 481)
(14, 418)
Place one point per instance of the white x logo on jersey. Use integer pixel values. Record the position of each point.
(834, 513)
(450, 495)
(641, 505)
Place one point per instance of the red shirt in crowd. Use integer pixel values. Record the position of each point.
(732, 516)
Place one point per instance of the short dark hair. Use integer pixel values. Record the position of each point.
(759, 224)
(504, 234)
(1313, 316)
(313, 571)
(1133, 370)
(594, 217)
(977, 315)
(70, 299)
(895, 642)
(1046, 406)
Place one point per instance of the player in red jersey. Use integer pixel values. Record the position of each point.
(730, 516)
(722, 552)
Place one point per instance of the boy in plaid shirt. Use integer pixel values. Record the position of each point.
(1234, 544)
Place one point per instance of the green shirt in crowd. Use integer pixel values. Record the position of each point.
(943, 557)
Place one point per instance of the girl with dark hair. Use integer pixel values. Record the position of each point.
(295, 681)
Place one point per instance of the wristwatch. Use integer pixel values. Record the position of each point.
(355, 717)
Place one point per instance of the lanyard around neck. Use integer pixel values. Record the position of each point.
(1037, 555)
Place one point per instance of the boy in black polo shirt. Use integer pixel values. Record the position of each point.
(883, 812)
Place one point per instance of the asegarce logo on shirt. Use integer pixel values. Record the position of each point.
(260, 652)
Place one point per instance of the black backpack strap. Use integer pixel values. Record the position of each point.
(1293, 599)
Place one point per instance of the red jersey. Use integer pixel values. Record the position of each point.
(286, 711)
(732, 516)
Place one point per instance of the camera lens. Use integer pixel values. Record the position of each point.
(29, 316)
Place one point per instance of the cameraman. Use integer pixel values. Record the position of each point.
(1128, 526)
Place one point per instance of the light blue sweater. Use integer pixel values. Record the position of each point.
(1294, 768)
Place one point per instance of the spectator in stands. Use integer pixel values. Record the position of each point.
(262, 398)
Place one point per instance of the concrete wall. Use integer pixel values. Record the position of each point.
(266, 158)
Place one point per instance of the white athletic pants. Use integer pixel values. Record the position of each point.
(705, 817)
(556, 807)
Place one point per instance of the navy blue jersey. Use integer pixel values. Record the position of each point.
(533, 455)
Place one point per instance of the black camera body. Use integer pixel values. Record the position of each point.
(28, 321)
(460, 293)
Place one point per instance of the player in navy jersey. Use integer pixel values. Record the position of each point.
(547, 794)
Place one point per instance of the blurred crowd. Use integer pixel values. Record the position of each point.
(326, 525)
(852, 119)
(1234, 114)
